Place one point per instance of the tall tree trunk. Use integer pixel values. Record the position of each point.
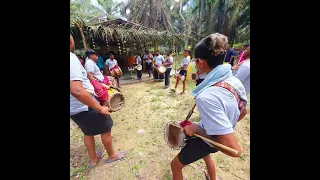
(84, 42)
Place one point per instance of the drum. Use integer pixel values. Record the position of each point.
(116, 99)
(173, 136)
(162, 69)
(194, 76)
(139, 67)
(112, 81)
(182, 78)
(116, 72)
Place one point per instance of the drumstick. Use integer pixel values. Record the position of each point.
(190, 113)
(216, 144)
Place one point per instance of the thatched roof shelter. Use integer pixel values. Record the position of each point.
(119, 29)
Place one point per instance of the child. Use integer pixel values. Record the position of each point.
(183, 71)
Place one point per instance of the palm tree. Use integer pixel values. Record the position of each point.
(81, 13)
(150, 13)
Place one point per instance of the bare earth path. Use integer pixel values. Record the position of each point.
(148, 106)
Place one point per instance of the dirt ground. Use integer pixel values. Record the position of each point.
(149, 106)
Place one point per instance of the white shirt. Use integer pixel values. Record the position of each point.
(91, 67)
(170, 60)
(186, 62)
(243, 74)
(218, 108)
(158, 60)
(145, 56)
(138, 60)
(78, 73)
(202, 76)
(111, 63)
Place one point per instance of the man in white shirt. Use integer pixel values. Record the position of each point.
(91, 65)
(159, 60)
(168, 63)
(88, 114)
(112, 63)
(183, 71)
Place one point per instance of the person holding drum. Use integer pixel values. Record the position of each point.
(148, 58)
(88, 114)
(183, 71)
(159, 60)
(113, 68)
(138, 66)
(216, 98)
(168, 63)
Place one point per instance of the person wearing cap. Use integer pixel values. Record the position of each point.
(91, 65)
(110, 64)
(88, 114)
(183, 71)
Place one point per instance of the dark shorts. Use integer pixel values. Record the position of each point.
(199, 81)
(148, 65)
(194, 150)
(92, 123)
(183, 73)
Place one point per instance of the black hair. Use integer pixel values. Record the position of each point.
(170, 51)
(210, 49)
(188, 51)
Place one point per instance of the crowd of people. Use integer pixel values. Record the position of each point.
(222, 86)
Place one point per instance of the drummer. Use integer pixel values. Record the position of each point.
(110, 64)
(218, 108)
(138, 61)
(168, 63)
(91, 65)
(183, 71)
(159, 60)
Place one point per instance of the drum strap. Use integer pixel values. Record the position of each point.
(233, 91)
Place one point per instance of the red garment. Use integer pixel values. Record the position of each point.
(185, 123)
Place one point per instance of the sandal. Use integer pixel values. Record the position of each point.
(100, 155)
(119, 157)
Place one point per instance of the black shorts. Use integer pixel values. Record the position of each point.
(92, 123)
(194, 150)
(199, 81)
(183, 73)
(148, 65)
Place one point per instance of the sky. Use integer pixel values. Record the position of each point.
(94, 2)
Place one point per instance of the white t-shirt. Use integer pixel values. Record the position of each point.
(111, 63)
(202, 76)
(138, 60)
(78, 73)
(91, 67)
(159, 60)
(186, 62)
(145, 56)
(218, 108)
(170, 60)
(243, 74)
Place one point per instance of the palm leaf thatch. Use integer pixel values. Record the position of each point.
(119, 29)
